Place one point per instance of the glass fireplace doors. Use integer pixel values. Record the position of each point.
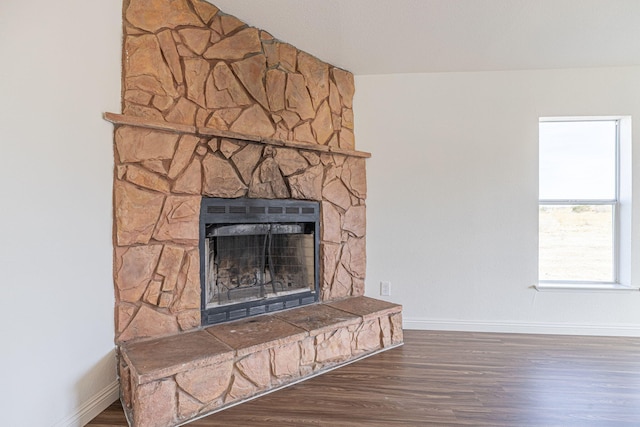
(257, 256)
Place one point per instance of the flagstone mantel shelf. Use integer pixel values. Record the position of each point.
(121, 119)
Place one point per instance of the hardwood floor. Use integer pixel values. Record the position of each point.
(458, 379)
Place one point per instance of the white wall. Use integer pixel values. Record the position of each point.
(452, 202)
(59, 71)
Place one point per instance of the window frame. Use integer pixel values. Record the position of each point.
(615, 203)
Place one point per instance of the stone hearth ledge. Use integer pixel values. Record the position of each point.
(173, 380)
(121, 119)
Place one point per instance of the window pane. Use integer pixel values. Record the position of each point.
(578, 160)
(576, 243)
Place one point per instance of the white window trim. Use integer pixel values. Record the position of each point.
(622, 211)
(571, 287)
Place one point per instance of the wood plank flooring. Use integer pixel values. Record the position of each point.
(458, 379)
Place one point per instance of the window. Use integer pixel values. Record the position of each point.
(579, 206)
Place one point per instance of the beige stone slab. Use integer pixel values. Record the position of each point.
(319, 318)
(163, 357)
(352, 153)
(300, 145)
(256, 334)
(274, 141)
(122, 119)
(368, 308)
(228, 134)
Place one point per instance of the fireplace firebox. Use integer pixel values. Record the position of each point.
(257, 256)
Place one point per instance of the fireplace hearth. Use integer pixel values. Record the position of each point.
(257, 256)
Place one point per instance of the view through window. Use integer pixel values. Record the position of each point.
(578, 185)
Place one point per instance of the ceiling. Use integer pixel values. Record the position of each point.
(418, 36)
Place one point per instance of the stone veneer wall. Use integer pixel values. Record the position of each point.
(222, 110)
(186, 62)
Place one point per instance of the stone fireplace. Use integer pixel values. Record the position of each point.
(221, 118)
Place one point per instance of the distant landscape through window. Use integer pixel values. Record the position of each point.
(578, 191)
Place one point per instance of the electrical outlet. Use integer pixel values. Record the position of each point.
(385, 289)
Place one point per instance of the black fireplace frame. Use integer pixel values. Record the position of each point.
(252, 211)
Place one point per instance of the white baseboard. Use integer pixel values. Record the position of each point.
(523, 328)
(90, 409)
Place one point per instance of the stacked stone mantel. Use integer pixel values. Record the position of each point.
(120, 119)
(215, 108)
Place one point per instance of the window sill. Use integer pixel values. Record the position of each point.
(584, 287)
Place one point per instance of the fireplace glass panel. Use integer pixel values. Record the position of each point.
(247, 262)
(257, 256)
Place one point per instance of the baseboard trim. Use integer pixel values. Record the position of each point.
(91, 408)
(523, 328)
